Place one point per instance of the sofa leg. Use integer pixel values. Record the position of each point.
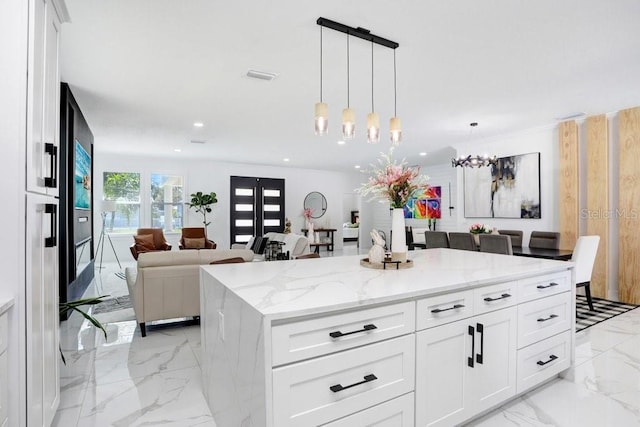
(143, 329)
(196, 319)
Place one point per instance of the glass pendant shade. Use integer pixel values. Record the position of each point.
(395, 130)
(322, 118)
(373, 128)
(348, 123)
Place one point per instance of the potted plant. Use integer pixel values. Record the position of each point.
(202, 203)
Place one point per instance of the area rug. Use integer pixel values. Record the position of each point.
(603, 310)
(112, 304)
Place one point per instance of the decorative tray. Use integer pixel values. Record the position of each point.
(387, 264)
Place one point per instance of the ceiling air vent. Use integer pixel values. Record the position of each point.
(193, 141)
(261, 75)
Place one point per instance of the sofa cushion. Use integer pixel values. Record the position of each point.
(234, 260)
(194, 242)
(144, 243)
(201, 257)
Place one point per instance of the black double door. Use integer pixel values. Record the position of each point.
(257, 207)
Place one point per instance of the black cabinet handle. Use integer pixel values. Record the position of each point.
(365, 328)
(339, 387)
(440, 310)
(52, 151)
(547, 286)
(503, 296)
(544, 319)
(473, 346)
(50, 242)
(551, 359)
(480, 329)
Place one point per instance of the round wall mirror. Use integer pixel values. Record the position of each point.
(317, 203)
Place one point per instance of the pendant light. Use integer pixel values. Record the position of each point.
(321, 110)
(395, 125)
(477, 161)
(348, 115)
(373, 120)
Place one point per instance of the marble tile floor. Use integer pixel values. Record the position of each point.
(127, 380)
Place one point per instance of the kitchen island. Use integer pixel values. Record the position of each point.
(329, 342)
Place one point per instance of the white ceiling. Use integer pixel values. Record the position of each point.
(144, 71)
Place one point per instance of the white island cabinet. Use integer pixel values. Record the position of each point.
(327, 342)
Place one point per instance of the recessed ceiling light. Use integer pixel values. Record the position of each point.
(357, 166)
(341, 142)
(423, 153)
(177, 150)
(198, 124)
(286, 159)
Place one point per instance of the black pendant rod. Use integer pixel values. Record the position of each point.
(359, 32)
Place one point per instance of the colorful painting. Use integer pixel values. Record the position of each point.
(508, 189)
(82, 178)
(425, 205)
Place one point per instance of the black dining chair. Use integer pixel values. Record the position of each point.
(544, 240)
(436, 239)
(516, 237)
(464, 241)
(496, 244)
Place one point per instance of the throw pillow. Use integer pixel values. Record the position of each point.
(234, 260)
(195, 243)
(250, 243)
(144, 243)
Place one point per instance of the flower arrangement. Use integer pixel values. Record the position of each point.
(479, 229)
(306, 213)
(393, 182)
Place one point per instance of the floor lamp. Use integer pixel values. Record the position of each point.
(108, 207)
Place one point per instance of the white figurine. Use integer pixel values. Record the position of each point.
(376, 253)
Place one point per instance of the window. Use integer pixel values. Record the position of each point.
(167, 202)
(124, 189)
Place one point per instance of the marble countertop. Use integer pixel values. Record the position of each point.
(286, 289)
(5, 304)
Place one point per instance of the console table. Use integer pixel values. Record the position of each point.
(329, 233)
(329, 342)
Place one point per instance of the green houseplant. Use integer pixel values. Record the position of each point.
(202, 202)
(75, 305)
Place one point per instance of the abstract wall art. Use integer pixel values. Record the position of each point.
(425, 205)
(508, 189)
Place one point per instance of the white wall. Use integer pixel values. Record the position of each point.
(542, 140)
(207, 176)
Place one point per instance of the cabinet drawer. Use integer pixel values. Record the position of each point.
(4, 323)
(543, 318)
(394, 413)
(4, 387)
(542, 286)
(489, 298)
(310, 338)
(443, 309)
(543, 360)
(320, 390)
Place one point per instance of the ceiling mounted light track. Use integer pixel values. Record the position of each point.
(348, 114)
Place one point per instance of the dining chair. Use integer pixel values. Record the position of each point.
(436, 239)
(584, 255)
(464, 241)
(544, 240)
(496, 244)
(516, 236)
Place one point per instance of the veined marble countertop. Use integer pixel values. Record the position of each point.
(285, 289)
(5, 304)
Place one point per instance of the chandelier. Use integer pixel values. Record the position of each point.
(476, 161)
(348, 114)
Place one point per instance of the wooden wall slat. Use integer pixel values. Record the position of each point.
(568, 184)
(629, 206)
(598, 211)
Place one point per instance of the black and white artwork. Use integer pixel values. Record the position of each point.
(508, 189)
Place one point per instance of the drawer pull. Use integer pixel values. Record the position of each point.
(551, 359)
(544, 319)
(503, 296)
(547, 286)
(365, 328)
(440, 310)
(339, 387)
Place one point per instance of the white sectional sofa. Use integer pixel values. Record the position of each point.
(166, 285)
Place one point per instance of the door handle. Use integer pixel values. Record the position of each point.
(480, 356)
(365, 328)
(51, 209)
(471, 332)
(339, 387)
(52, 151)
